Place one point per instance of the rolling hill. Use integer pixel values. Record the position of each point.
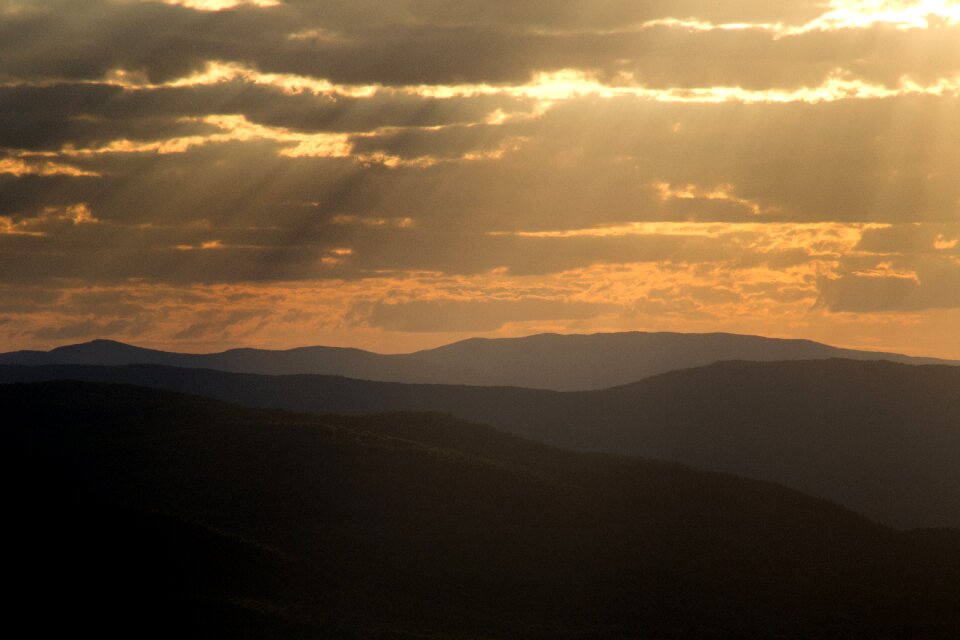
(545, 361)
(142, 513)
(878, 437)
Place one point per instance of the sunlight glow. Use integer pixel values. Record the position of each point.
(219, 5)
(237, 128)
(944, 244)
(210, 245)
(821, 238)
(8, 227)
(233, 128)
(217, 71)
(843, 14)
(36, 226)
(887, 270)
(901, 14)
(723, 192)
(39, 165)
(363, 221)
(547, 88)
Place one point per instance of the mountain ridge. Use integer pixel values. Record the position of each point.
(879, 437)
(560, 362)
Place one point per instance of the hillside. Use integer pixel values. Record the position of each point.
(545, 361)
(878, 437)
(172, 514)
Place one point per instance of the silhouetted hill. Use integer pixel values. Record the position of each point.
(545, 361)
(603, 360)
(354, 363)
(141, 513)
(878, 437)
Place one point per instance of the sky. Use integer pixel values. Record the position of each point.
(398, 174)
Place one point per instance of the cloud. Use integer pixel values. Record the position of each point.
(440, 166)
(474, 315)
(442, 42)
(912, 239)
(91, 115)
(905, 284)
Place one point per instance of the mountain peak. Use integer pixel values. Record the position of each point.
(98, 343)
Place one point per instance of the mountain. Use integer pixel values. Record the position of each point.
(142, 513)
(603, 360)
(354, 363)
(545, 361)
(878, 437)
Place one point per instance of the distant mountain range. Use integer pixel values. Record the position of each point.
(545, 361)
(880, 438)
(141, 513)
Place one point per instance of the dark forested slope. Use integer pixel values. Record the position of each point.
(141, 513)
(878, 437)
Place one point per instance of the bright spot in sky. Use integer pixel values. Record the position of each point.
(217, 5)
(906, 15)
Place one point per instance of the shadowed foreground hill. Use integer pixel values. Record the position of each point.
(544, 361)
(140, 513)
(880, 438)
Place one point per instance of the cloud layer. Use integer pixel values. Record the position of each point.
(392, 174)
